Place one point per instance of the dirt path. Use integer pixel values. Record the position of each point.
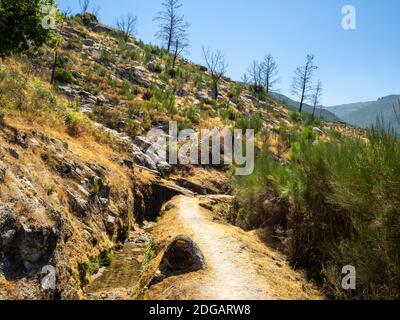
(240, 267)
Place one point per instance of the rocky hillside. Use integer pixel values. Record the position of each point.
(75, 179)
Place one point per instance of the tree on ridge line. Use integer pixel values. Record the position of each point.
(172, 25)
(302, 81)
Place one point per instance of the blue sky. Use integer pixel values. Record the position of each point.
(355, 65)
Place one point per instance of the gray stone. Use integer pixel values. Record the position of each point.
(202, 96)
(25, 247)
(8, 237)
(132, 46)
(144, 160)
(33, 142)
(164, 167)
(182, 256)
(318, 130)
(139, 75)
(88, 42)
(13, 152)
(100, 100)
(102, 28)
(182, 92)
(153, 66)
(110, 219)
(77, 204)
(49, 281)
(142, 142)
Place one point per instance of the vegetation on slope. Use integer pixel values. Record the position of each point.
(330, 196)
(336, 203)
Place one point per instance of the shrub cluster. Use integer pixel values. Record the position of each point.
(336, 204)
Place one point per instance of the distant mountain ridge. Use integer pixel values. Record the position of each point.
(294, 105)
(365, 114)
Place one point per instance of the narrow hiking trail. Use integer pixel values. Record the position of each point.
(239, 265)
(231, 277)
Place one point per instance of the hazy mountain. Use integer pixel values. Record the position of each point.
(294, 105)
(365, 114)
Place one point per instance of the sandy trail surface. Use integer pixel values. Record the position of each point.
(239, 265)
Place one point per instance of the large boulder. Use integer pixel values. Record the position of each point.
(138, 75)
(153, 66)
(25, 248)
(182, 256)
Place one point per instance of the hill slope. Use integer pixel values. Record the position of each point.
(74, 173)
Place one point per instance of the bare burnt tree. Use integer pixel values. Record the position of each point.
(256, 71)
(95, 11)
(270, 73)
(126, 25)
(217, 67)
(245, 79)
(181, 45)
(316, 96)
(67, 13)
(302, 82)
(172, 25)
(84, 5)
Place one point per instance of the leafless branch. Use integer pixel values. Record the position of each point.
(127, 25)
(216, 65)
(84, 5)
(316, 96)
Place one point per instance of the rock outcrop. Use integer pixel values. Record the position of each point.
(181, 256)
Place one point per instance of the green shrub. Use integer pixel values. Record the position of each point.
(2, 74)
(228, 114)
(191, 114)
(308, 134)
(147, 95)
(50, 190)
(296, 116)
(21, 26)
(234, 92)
(126, 89)
(149, 254)
(134, 54)
(75, 122)
(337, 204)
(100, 70)
(93, 265)
(64, 76)
(172, 73)
(169, 103)
(158, 68)
(250, 122)
(106, 258)
(107, 56)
